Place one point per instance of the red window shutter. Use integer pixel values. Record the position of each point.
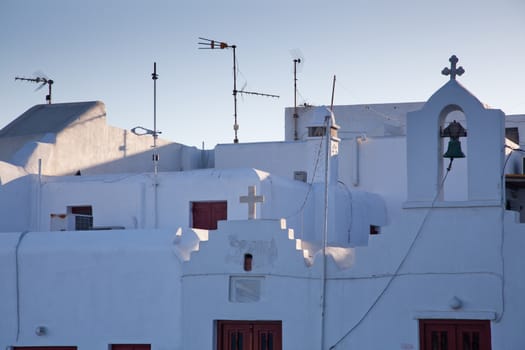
(454, 335)
(205, 215)
(82, 210)
(249, 335)
(267, 336)
(235, 335)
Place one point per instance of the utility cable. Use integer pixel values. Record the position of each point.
(316, 166)
(17, 276)
(396, 272)
(502, 244)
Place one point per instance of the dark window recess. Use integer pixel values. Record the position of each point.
(316, 131)
(131, 347)
(83, 222)
(82, 216)
(300, 176)
(454, 335)
(374, 230)
(82, 210)
(249, 335)
(513, 134)
(205, 215)
(248, 262)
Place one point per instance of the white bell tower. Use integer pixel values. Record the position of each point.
(485, 140)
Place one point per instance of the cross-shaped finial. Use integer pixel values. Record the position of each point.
(251, 199)
(453, 71)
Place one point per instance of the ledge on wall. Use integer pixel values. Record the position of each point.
(447, 204)
(455, 315)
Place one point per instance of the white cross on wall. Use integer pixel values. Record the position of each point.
(252, 199)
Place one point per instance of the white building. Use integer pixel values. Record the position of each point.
(223, 249)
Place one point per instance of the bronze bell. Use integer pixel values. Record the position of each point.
(454, 130)
(454, 149)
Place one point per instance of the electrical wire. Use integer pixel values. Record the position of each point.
(351, 211)
(372, 109)
(17, 276)
(396, 271)
(310, 185)
(502, 244)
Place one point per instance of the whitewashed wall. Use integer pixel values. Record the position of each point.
(91, 289)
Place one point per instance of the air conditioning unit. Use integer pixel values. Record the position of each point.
(79, 222)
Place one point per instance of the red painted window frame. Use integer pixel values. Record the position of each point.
(253, 331)
(82, 209)
(206, 214)
(455, 329)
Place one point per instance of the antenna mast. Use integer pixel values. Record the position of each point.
(333, 92)
(208, 44)
(140, 131)
(295, 115)
(39, 80)
(155, 76)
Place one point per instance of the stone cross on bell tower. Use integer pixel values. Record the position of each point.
(453, 71)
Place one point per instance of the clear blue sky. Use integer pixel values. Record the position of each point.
(380, 51)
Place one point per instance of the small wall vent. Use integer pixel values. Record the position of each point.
(300, 176)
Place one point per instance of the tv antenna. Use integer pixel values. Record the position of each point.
(209, 44)
(40, 80)
(295, 115)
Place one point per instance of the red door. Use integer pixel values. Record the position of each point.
(235, 336)
(454, 335)
(205, 215)
(249, 335)
(267, 336)
(440, 337)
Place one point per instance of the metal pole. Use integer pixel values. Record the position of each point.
(328, 135)
(48, 97)
(325, 225)
(332, 101)
(295, 115)
(155, 76)
(39, 196)
(235, 125)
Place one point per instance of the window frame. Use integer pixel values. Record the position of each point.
(455, 327)
(218, 210)
(252, 330)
